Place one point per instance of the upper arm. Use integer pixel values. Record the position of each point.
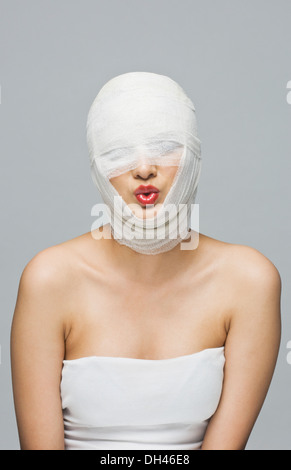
(251, 352)
(37, 352)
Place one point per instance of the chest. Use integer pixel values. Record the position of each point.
(144, 320)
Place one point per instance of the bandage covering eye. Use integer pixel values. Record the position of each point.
(143, 117)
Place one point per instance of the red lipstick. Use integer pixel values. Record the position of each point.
(146, 194)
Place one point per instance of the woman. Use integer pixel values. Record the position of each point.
(144, 334)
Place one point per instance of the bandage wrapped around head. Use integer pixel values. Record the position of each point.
(145, 117)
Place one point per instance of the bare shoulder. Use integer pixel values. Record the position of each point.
(252, 270)
(257, 284)
(55, 273)
(59, 263)
(251, 280)
(242, 263)
(49, 267)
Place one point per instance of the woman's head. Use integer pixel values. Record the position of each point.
(141, 132)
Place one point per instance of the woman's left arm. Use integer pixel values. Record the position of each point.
(251, 351)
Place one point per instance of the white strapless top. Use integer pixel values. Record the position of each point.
(128, 403)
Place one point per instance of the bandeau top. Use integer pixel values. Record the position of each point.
(128, 403)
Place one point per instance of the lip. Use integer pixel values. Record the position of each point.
(146, 194)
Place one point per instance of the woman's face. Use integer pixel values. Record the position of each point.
(145, 188)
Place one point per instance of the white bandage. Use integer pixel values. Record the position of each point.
(143, 116)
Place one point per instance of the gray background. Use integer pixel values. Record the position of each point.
(233, 58)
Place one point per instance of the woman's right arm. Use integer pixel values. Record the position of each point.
(37, 352)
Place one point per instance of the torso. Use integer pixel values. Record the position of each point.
(116, 317)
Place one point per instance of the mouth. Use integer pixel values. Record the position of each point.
(146, 194)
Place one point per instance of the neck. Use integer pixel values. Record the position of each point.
(150, 268)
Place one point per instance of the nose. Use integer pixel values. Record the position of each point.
(144, 171)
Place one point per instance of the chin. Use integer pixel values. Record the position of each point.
(145, 212)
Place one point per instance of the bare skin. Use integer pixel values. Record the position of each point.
(88, 297)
